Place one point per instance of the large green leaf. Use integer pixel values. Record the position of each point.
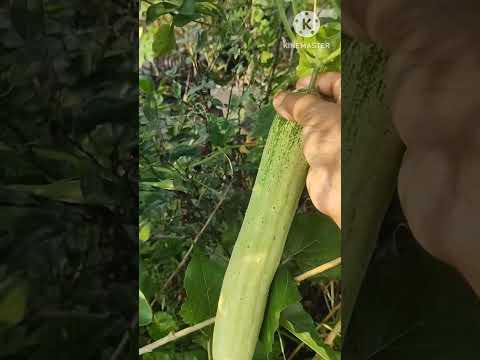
(312, 241)
(203, 282)
(145, 314)
(296, 320)
(283, 293)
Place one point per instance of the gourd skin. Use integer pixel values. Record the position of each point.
(259, 246)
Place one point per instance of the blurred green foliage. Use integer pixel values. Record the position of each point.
(68, 192)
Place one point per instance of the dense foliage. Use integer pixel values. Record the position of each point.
(208, 73)
(68, 180)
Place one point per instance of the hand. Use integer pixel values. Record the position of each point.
(432, 80)
(321, 121)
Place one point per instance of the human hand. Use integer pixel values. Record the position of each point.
(321, 122)
(432, 80)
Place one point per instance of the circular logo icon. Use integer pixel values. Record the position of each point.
(306, 23)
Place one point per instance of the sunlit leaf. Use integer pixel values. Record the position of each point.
(145, 314)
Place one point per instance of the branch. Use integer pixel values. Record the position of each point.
(318, 270)
(174, 336)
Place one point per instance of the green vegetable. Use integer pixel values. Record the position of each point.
(257, 252)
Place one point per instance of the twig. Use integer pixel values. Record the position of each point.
(197, 237)
(174, 336)
(124, 340)
(318, 270)
(334, 333)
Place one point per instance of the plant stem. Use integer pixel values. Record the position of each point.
(174, 336)
(318, 270)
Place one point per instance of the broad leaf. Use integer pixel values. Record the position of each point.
(298, 322)
(283, 293)
(312, 241)
(203, 282)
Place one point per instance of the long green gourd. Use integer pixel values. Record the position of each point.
(258, 250)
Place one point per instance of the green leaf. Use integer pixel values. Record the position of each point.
(182, 20)
(298, 322)
(145, 314)
(220, 131)
(145, 51)
(145, 231)
(283, 293)
(146, 84)
(13, 303)
(167, 184)
(313, 240)
(164, 40)
(265, 56)
(156, 10)
(187, 8)
(203, 282)
(68, 191)
(162, 325)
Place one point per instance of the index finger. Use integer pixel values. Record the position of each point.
(328, 84)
